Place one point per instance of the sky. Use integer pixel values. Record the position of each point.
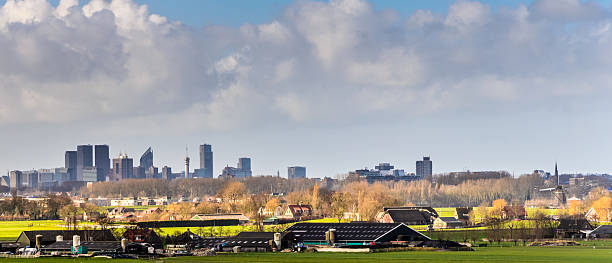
(331, 85)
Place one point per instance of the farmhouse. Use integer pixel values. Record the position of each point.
(348, 234)
(463, 214)
(298, 211)
(514, 212)
(28, 238)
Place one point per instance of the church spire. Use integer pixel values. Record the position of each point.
(557, 174)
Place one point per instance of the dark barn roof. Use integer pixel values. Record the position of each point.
(428, 209)
(91, 246)
(28, 238)
(411, 217)
(244, 239)
(602, 231)
(574, 224)
(352, 232)
(256, 235)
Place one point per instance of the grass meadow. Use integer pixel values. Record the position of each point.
(492, 254)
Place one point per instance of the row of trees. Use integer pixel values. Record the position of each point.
(20, 208)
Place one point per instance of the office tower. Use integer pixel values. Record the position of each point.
(166, 173)
(123, 168)
(424, 167)
(16, 180)
(71, 164)
(84, 159)
(206, 160)
(102, 162)
(146, 160)
(295, 172)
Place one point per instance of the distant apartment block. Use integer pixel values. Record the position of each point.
(424, 167)
(295, 172)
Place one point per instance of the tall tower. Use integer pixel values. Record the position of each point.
(557, 174)
(186, 163)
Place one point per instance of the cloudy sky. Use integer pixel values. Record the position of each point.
(331, 85)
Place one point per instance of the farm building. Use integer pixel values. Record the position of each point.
(240, 217)
(140, 235)
(406, 216)
(247, 241)
(348, 233)
(447, 222)
(28, 238)
(603, 231)
(90, 246)
(573, 227)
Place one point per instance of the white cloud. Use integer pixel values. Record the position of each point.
(318, 62)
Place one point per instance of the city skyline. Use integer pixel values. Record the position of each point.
(477, 85)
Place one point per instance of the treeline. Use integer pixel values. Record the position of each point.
(456, 178)
(460, 189)
(192, 188)
(20, 208)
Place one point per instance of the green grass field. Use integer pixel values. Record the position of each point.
(10, 230)
(512, 254)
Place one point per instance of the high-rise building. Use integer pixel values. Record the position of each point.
(70, 163)
(84, 159)
(167, 173)
(123, 168)
(295, 172)
(16, 180)
(102, 162)
(424, 167)
(206, 161)
(146, 160)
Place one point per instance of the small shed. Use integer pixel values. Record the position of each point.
(447, 222)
